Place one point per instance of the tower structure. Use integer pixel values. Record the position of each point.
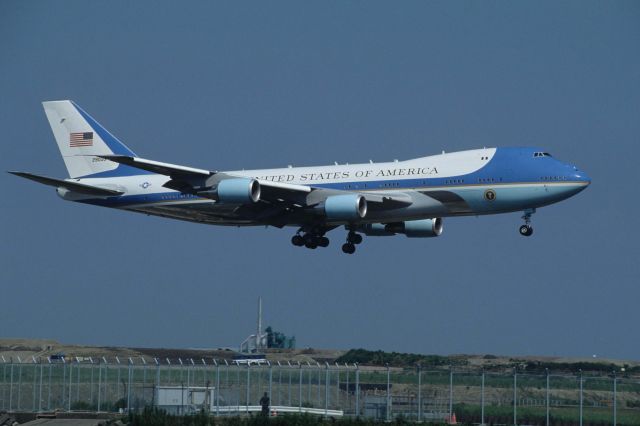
(255, 342)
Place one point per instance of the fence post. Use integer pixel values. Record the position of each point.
(290, 386)
(11, 388)
(482, 400)
(19, 383)
(450, 392)
(319, 383)
(309, 385)
(388, 410)
(248, 390)
(357, 390)
(581, 397)
(347, 385)
(118, 379)
(99, 384)
(326, 390)
(270, 380)
(49, 388)
(547, 371)
(419, 393)
(35, 381)
(299, 389)
(337, 386)
(70, 385)
(4, 383)
(515, 396)
(91, 387)
(280, 384)
(106, 381)
(615, 404)
(40, 395)
(64, 381)
(129, 385)
(78, 380)
(217, 388)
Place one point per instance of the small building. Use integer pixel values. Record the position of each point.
(184, 400)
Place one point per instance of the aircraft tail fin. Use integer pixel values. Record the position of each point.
(81, 139)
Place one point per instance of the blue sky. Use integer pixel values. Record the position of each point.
(228, 85)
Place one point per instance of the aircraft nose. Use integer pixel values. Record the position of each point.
(580, 176)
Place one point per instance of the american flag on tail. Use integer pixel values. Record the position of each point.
(80, 139)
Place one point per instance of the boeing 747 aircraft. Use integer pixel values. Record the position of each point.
(375, 199)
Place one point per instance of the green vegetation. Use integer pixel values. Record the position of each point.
(468, 414)
(153, 417)
(397, 359)
(576, 367)
(465, 415)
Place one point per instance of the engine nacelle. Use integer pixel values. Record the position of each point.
(348, 207)
(423, 228)
(375, 230)
(238, 191)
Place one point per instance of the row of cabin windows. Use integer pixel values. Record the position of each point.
(550, 178)
(489, 180)
(177, 196)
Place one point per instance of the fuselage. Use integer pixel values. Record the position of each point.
(474, 182)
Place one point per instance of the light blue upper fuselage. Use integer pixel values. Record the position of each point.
(475, 182)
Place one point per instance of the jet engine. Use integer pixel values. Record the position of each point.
(348, 207)
(238, 191)
(423, 228)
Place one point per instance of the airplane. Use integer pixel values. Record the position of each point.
(408, 197)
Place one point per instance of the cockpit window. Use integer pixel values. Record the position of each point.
(541, 154)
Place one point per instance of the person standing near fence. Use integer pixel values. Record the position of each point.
(264, 402)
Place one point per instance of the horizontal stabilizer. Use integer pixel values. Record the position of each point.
(167, 169)
(71, 186)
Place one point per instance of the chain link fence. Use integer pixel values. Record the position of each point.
(415, 394)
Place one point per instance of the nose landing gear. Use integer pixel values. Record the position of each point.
(526, 230)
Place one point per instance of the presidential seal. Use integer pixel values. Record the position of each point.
(489, 195)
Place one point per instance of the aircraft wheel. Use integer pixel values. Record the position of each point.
(323, 241)
(311, 244)
(354, 238)
(297, 241)
(348, 248)
(526, 230)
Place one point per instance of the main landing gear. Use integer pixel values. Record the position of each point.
(526, 230)
(311, 239)
(352, 239)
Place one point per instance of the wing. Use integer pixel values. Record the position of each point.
(278, 202)
(199, 181)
